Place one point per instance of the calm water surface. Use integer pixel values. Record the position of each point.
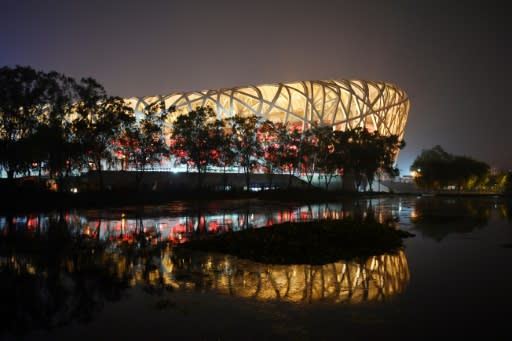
(117, 274)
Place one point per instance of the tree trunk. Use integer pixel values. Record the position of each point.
(139, 173)
(327, 181)
(39, 174)
(310, 178)
(98, 230)
(348, 181)
(100, 175)
(224, 178)
(199, 178)
(247, 177)
(10, 175)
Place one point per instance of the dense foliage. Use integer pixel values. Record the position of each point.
(251, 143)
(53, 124)
(436, 169)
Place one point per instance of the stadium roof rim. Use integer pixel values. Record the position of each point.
(318, 81)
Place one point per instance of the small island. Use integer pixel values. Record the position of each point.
(316, 242)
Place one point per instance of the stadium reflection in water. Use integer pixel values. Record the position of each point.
(375, 278)
(372, 279)
(95, 257)
(60, 271)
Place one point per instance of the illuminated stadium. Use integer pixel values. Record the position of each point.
(342, 104)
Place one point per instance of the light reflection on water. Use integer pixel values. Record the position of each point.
(375, 278)
(177, 226)
(127, 248)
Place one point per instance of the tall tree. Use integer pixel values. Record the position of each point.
(388, 147)
(101, 120)
(289, 151)
(143, 143)
(507, 184)
(328, 153)
(195, 139)
(53, 144)
(369, 153)
(247, 142)
(436, 169)
(225, 148)
(467, 172)
(271, 148)
(308, 154)
(430, 168)
(21, 108)
(360, 153)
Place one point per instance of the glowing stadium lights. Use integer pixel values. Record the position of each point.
(342, 104)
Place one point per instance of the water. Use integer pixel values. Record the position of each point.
(452, 279)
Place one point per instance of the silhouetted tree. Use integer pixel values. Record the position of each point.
(21, 108)
(225, 147)
(101, 119)
(389, 145)
(289, 151)
(143, 143)
(370, 153)
(466, 172)
(436, 169)
(246, 142)
(308, 154)
(272, 147)
(196, 138)
(328, 153)
(507, 190)
(53, 146)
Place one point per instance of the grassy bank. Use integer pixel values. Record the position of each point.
(318, 242)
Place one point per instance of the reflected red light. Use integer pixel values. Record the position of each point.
(32, 223)
(178, 228)
(177, 235)
(127, 238)
(279, 217)
(213, 226)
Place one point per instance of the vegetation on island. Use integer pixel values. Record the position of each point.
(315, 242)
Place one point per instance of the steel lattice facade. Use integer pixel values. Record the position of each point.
(342, 104)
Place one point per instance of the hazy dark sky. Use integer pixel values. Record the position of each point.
(452, 57)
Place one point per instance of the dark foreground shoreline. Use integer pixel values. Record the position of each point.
(22, 200)
(19, 199)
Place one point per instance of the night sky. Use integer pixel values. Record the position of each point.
(452, 57)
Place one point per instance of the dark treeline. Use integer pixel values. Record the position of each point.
(435, 169)
(56, 126)
(201, 140)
